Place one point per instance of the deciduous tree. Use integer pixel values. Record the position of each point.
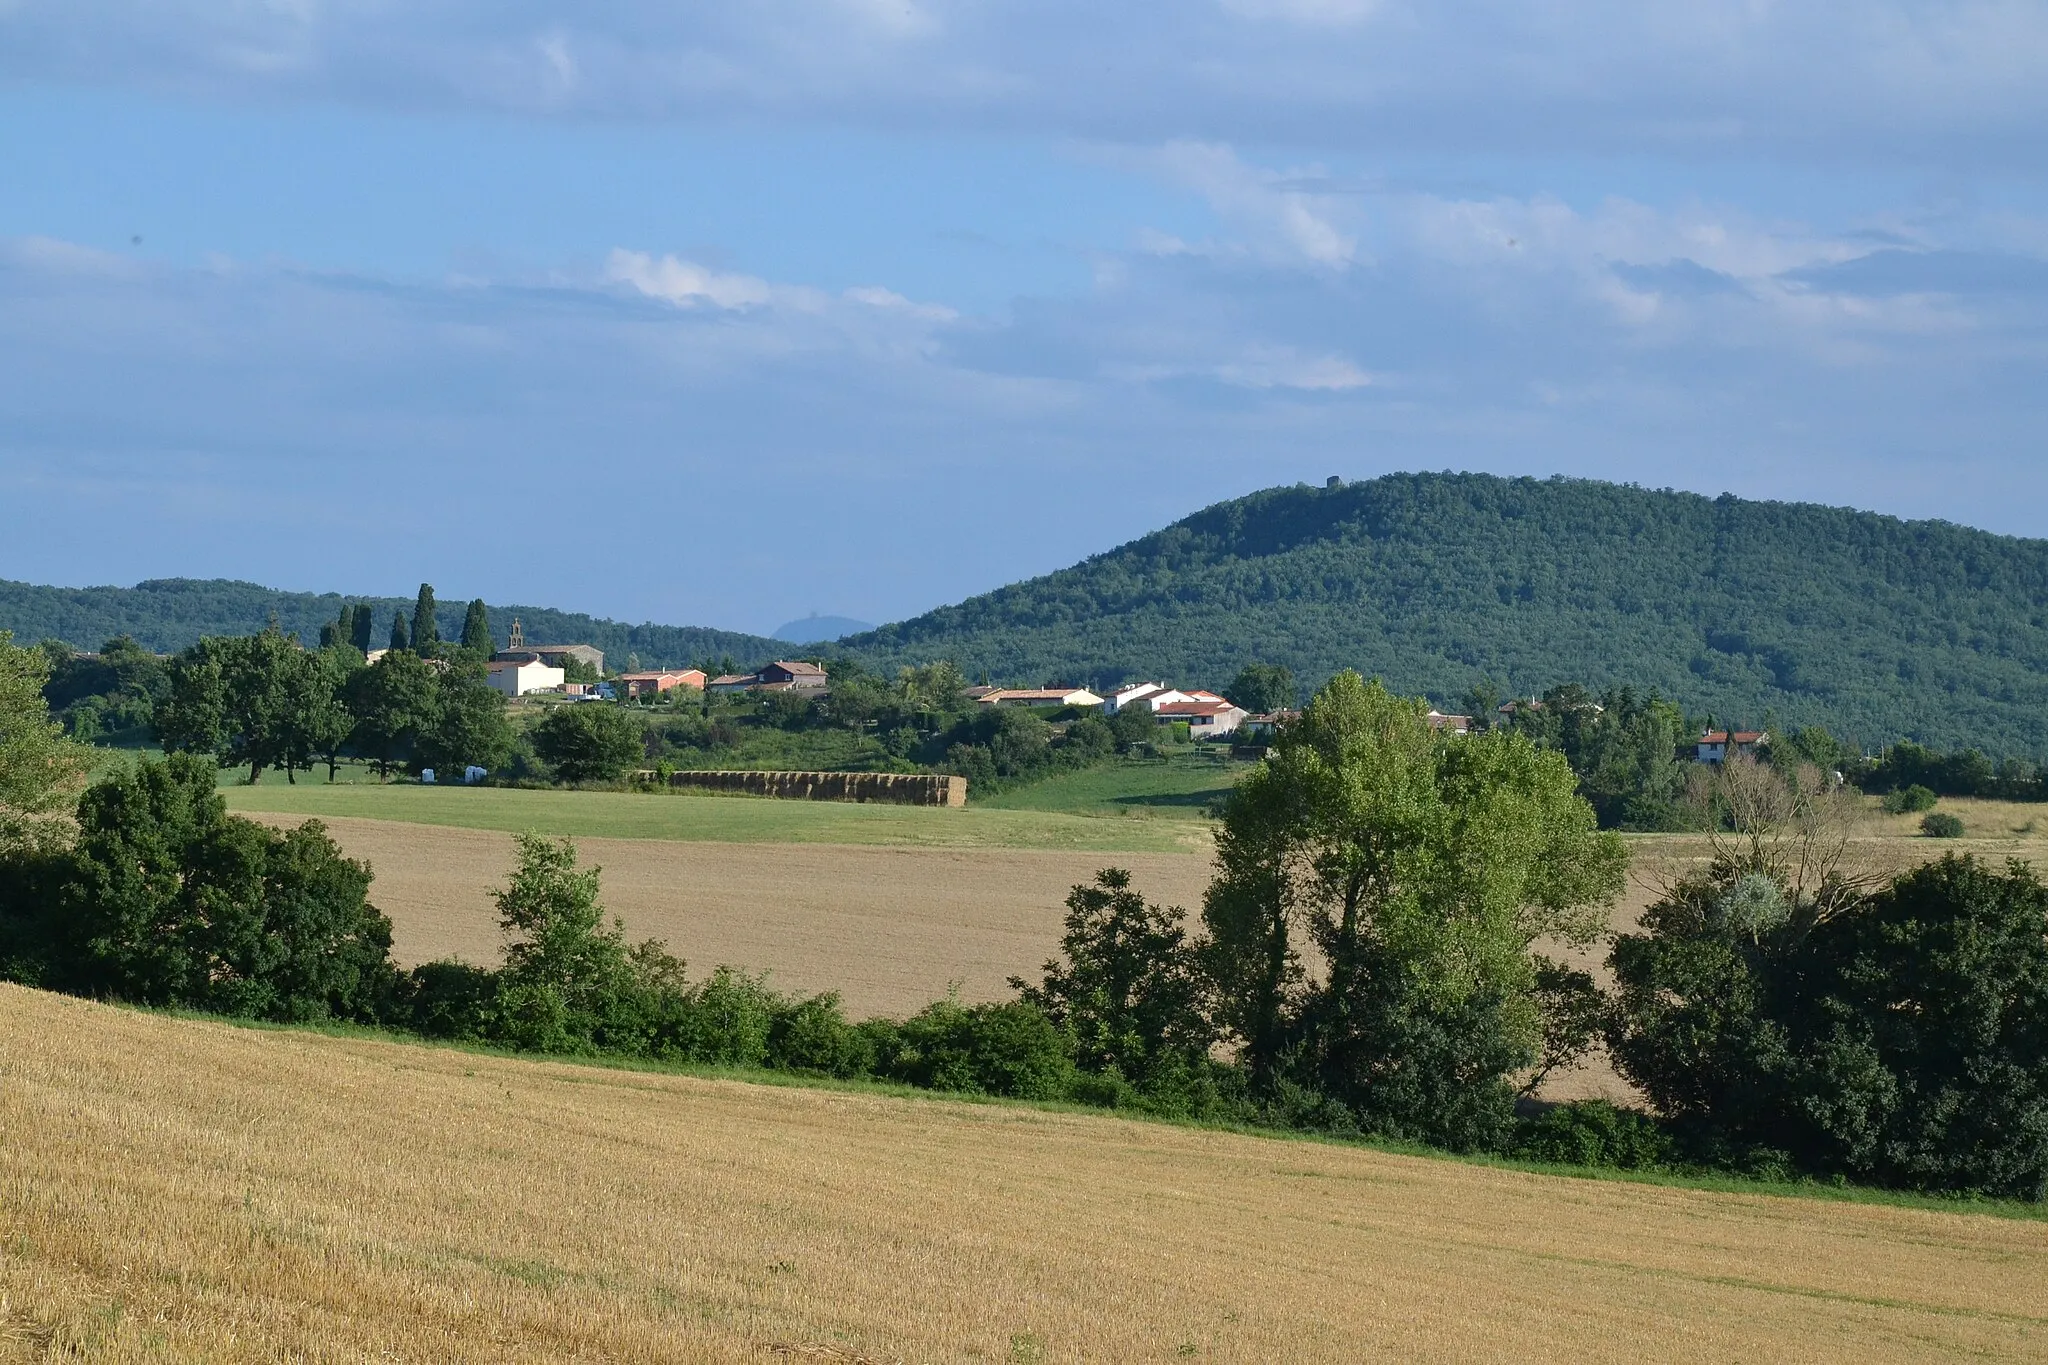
(1422, 866)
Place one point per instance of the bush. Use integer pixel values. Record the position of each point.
(1942, 825)
(725, 1020)
(1902, 1041)
(449, 1000)
(1009, 1050)
(169, 900)
(813, 1036)
(1909, 800)
(1593, 1133)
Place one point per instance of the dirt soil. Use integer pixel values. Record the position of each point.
(888, 928)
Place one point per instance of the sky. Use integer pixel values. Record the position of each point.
(725, 314)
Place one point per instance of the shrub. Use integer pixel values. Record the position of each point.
(1009, 1050)
(814, 1036)
(1593, 1133)
(1129, 992)
(169, 900)
(1941, 825)
(449, 1000)
(1909, 800)
(725, 1020)
(1901, 1041)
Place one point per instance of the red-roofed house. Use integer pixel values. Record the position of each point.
(661, 680)
(1716, 745)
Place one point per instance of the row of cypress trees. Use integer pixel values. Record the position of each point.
(422, 632)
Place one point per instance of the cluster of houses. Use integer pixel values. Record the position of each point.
(522, 669)
(1208, 715)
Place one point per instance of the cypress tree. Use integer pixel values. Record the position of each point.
(425, 632)
(399, 638)
(362, 629)
(476, 628)
(329, 635)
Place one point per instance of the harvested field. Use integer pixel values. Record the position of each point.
(186, 1191)
(889, 928)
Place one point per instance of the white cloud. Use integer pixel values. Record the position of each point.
(687, 284)
(874, 296)
(1266, 209)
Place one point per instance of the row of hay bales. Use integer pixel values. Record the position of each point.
(901, 789)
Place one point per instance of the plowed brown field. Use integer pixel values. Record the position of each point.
(889, 928)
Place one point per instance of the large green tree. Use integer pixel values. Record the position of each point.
(590, 742)
(426, 631)
(469, 726)
(1422, 866)
(254, 699)
(1128, 988)
(401, 638)
(1261, 688)
(39, 771)
(172, 901)
(362, 627)
(393, 703)
(476, 629)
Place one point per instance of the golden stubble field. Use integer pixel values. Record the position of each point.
(888, 927)
(187, 1191)
(892, 928)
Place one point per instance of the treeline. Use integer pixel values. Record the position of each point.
(169, 614)
(1365, 962)
(265, 702)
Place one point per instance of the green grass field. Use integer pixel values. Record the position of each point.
(728, 819)
(1183, 786)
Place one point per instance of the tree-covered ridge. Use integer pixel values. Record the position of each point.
(170, 614)
(1874, 627)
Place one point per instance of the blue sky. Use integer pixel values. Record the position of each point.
(861, 306)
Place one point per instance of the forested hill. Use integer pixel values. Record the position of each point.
(1878, 628)
(167, 614)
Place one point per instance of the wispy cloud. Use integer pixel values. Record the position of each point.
(1936, 83)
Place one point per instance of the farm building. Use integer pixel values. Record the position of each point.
(784, 675)
(518, 677)
(1207, 719)
(1041, 696)
(658, 681)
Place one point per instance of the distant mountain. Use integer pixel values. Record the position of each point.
(814, 628)
(167, 614)
(1880, 629)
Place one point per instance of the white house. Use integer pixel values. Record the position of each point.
(517, 677)
(1130, 692)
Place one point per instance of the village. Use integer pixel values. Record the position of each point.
(523, 669)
